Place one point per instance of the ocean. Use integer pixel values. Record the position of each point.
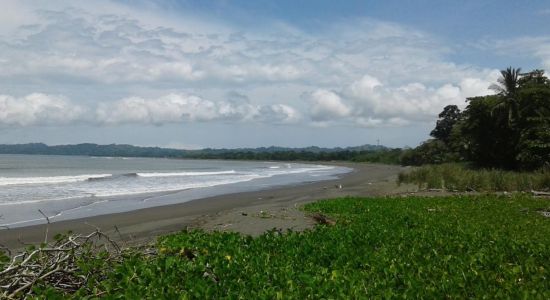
(70, 187)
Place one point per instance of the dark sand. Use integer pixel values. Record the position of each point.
(248, 212)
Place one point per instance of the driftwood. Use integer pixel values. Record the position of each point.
(322, 219)
(56, 265)
(540, 193)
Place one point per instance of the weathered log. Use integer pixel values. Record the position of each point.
(322, 219)
(540, 193)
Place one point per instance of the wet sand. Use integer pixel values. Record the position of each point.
(247, 212)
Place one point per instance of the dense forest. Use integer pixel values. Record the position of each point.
(370, 153)
(507, 130)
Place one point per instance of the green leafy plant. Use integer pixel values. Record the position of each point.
(405, 247)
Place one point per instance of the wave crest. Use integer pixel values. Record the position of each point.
(50, 180)
(173, 174)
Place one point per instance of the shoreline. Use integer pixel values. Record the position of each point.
(27, 213)
(250, 212)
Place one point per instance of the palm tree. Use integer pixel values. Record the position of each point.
(507, 88)
(507, 84)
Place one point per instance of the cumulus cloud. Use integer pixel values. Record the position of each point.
(327, 106)
(378, 104)
(167, 109)
(362, 72)
(471, 87)
(411, 102)
(174, 108)
(368, 102)
(43, 109)
(280, 114)
(38, 109)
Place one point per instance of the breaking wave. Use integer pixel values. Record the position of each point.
(50, 180)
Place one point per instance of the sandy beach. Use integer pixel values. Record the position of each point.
(248, 212)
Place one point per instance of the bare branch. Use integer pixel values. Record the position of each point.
(57, 265)
(47, 226)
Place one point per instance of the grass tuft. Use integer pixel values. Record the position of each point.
(455, 177)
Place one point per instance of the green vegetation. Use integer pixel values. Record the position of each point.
(365, 153)
(453, 247)
(483, 246)
(508, 130)
(381, 155)
(456, 177)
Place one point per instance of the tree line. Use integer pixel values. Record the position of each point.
(365, 153)
(507, 130)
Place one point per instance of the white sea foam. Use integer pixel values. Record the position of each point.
(49, 180)
(174, 187)
(174, 174)
(301, 170)
(71, 189)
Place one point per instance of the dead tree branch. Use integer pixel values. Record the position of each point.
(56, 264)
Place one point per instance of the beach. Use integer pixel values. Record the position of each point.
(246, 212)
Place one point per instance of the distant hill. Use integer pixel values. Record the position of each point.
(89, 149)
(359, 153)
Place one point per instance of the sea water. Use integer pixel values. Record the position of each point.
(69, 187)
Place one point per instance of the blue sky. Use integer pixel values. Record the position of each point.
(460, 20)
(194, 74)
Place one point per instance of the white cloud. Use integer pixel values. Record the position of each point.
(167, 109)
(175, 108)
(365, 85)
(38, 109)
(178, 69)
(117, 48)
(327, 106)
(411, 102)
(13, 14)
(42, 109)
(537, 47)
(280, 113)
(362, 72)
(370, 103)
(471, 87)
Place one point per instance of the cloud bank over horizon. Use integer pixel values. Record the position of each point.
(112, 64)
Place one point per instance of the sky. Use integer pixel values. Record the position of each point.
(230, 74)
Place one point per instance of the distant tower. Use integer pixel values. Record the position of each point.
(377, 142)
